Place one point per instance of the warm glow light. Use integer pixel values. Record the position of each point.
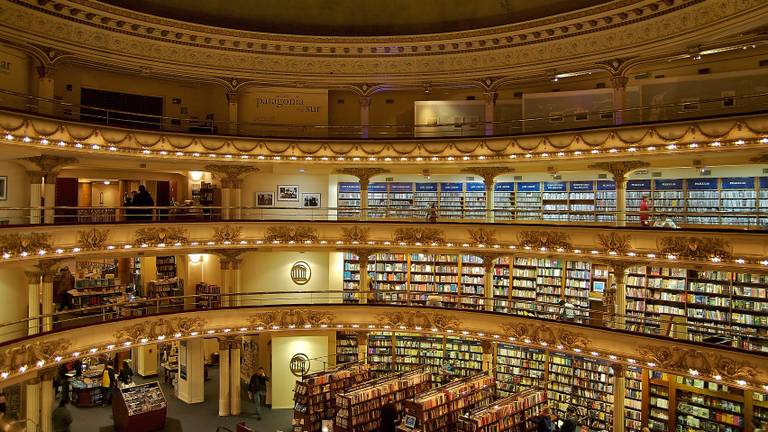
(195, 258)
(196, 176)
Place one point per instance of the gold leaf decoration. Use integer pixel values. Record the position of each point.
(227, 234)
(682, 360)
(424, 320)
(30, 353)
(552, 335)
(482, 236)
(151, 329)
(92, 238)
(694, 248)
(291, 317)
(287, 233)
(418, 235)
(24, 242)
(614, 242)
(544, 239)
(355, 234)
(154, 236)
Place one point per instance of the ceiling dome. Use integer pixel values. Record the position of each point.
(356, 17)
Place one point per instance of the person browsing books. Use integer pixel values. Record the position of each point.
(389, 415)
(543, 421)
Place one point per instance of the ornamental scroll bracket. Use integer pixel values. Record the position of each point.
(418, 235)
(439, 321)
(544, 239)
(291, 233)
(151, 329)
(552, 335)
(154, 236)
(706, 363)
(92, 239)
(291, 317)
(227, 234)
(355, 233)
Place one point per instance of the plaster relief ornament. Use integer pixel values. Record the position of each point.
(355, 234)
(154, 236)
(544, 239)
(424, 320)
(24, 242)
(418, 235)
(151, 329)
(695, 248)
(291, 317)
(287, 233)
(92, 238)
(227, 234)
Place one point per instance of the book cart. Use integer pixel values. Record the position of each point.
(439, 409)
(140, 408)
(512, 413)
(314, 396)
(359, 407)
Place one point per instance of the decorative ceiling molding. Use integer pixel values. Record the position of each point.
(99, 32)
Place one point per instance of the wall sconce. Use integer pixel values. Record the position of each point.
(196, 176)
(195, 258)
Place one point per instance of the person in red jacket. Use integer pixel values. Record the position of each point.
(645, 211)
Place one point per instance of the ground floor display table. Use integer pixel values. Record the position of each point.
(140, 408)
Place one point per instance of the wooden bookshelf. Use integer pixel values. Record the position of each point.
(347, 347)
(512, 413)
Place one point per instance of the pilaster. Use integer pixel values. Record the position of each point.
(45, 89)
(224, 393)
(233, 98)
(620, 170)
(34, 281)
(365, 110)
(231, 177)
(489, 174)
(619, 394)
(619, 84)
(490, 109)
(234, 377)
(46, 401)
(43, 171)
(364, 176)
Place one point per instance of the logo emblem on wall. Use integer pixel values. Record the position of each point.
(301, 273)
(299, 364)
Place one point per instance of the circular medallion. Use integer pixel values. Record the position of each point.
(299, 364)
(301, 273)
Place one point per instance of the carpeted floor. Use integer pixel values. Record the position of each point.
(202, 417)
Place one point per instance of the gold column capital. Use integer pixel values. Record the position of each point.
(231, 176)
(488, 173)
(619, 82)
(620, 169)
(45, 166)
(365, 102)
(363, 175)
(233, 97)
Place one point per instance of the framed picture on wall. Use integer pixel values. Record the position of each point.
(3, 188)
(310, 200)
(265, 199)
(287, 193)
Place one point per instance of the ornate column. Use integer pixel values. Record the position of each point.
(489, 174)
(224, 265)
(615, 299)
(46, 401)
(48, 271)
(364, 176)
(365, 110)
(619, 84)
(234, 279)
(619, 393)
(231, 177)
(490, 109)
(224, 394)
(620, 170)
(234, 376)
(45, 86)
(233, 98)
(34, 279)
(43, 171)
(33, 401)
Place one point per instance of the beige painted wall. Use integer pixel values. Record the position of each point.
(208, 269)
(283, 348)
(17, 184)
(13, 292)
(314, 183)
(105, 195)
(271, 272)
(15, 73)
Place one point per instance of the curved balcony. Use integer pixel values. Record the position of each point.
(129, 324)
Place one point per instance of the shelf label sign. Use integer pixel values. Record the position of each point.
(377, 187)
(475, 187)
(660, 184)
(641, 185)
(528, 186)
(401, 187)
(763, 182)
(702, 184)
(451, 187)
(738, 183)
(504, 187)
(349, 187)
(554, 186)
(580, 186)
(426, 187)
(606, 185)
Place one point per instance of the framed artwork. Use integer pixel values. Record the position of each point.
(310, 200)
(3, 188)
(287, 193)
(265, 199)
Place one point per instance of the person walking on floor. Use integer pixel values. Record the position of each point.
(257, 387)
(61, 417)
(126, 374)
(389, 416)
(107, 383)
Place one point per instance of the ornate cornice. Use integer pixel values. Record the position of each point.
(227, 234)
(151, 329)
(24, 243)
(355, 234)
(29, 354)
(548, 333)
(614, 242)
(482, 236)
(99, 32)
(685, 360)
(699, 248)
(547, 240)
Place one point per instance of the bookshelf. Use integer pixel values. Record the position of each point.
(346, 347)
(524, 274)
(528, 201)
(424, 196)
(440, 408)
(400, 351)
(749, 312)
(738, 194)
(658, 403)
(668, 199)
(314, 396)
(708, 301)
(633, 400)
(605, 201)
(474, 201)
(581, 201)
(578, 282)
(512, 413)
(667, 295)
(549, 286)
(637, 294)
(464, 354)
(584, 382)
(472, 282)
(358, 407)
(351, 278)
(519, 369)
(377, 200)
(635, 191)
(501, 284)
(388, 273)
(96, 292)
(413, 350)
(554, 201)
(762, 203)
(504, 201)
(166, 267)
(710, 406)
(381, 352)
(348, 199)
(400, 200)
(208, 296)
(421, 277)
(451, 202)
(703, 196)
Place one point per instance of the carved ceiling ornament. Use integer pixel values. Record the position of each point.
(683, 360)
(286, 318)
(425, 320)
(17, 243)
(694, 248)
(227, 234)
(30, 353)
(291, 233)
(46, 166)
(92, 239)
(355, 233)
(552, 335)
(544, 239)
(231, 176)
(154, 236)
(363, 175)
(615, 242)
(151, 329)
(482, 236)
(418, 235)
(620, 169)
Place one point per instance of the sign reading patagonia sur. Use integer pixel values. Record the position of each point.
(283, 106)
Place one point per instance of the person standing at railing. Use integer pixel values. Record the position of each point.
(645, 211)
(432, 213)
(143, 199)
(63, 283)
